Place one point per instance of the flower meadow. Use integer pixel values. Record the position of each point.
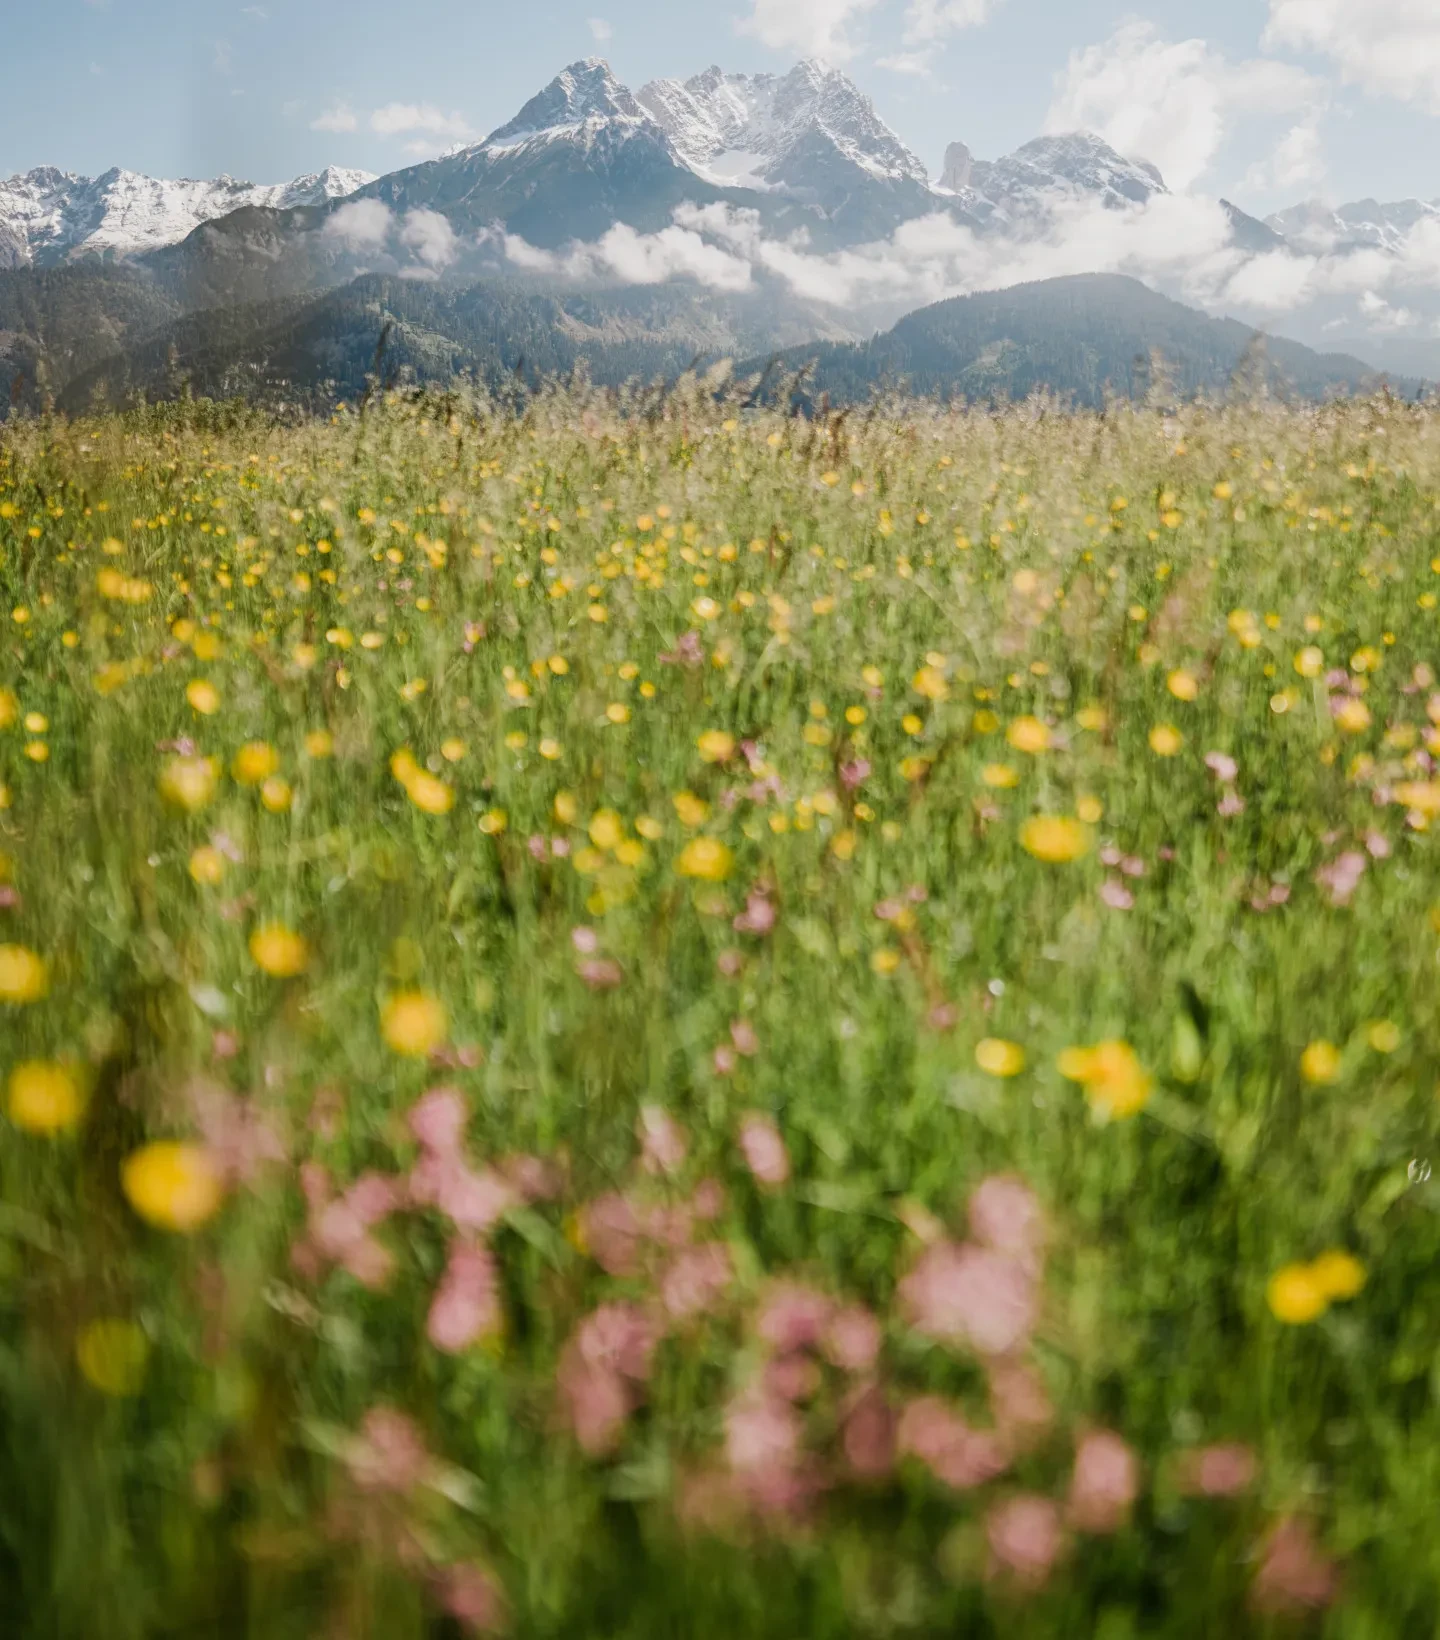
(624, 1016)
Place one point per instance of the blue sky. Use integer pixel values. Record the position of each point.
(1266, 101)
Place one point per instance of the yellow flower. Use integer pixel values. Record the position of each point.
(279, 951)
(1092, 719)
(1028, 734)
(1310, 662)
(1090, 809)
(1055, 838)
(706, 858)
(1115, 1082)
(203, 696)
(207, 865)
(275, 794)
(692, 810)
(930, 682)
(9, 708)
(996, 1057)
(716, 745)
(188, 782)
(1000, 776)
(1320, 1063)
(607, 829)
(1338, 1274)
(257, 760)
(1166, 740)
(112, 1355)
(453, 750)
(172, 1185)
(1295, 1296)
(23, 975)
(1383, 1035)
(885, 961)
(45, 1097)
(1353, 717)
(429, 794)
(1182, 684)
(319, 743)
(493, 822)
(413, 1022)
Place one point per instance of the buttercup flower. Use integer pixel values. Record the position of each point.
(172, 1185)
(1055, 838)
(1115, 1082)
(24, 976)
(279, 951)
(44, 1097)
(413, 1023)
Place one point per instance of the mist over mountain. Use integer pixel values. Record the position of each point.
(720, 213)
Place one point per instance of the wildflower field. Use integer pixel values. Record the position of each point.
(628, 1017)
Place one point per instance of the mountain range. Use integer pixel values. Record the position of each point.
(706, 214)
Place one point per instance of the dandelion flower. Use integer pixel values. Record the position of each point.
(203, 696)
(1320, 1062)
(1000, 776)
(413, 1022)
(172, 1185)
(44, 1097)
(319, 743)
(279, 951)
(429, 794)
(996, 1057)
(1028, 734)
(1116, 1084)
(1338, 1274)
(1353, 717)
(607, 829)
(1055, 838)
(1182, 684)
(1166, 740)
(1295, 1296)
(23, 975)
(188, 782)
(276, 794)
(1310, 661)
(716, 745)
(112, 1356)
(256, 761)
(706, 858)
(207, 866)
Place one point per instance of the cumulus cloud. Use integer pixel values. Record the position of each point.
(397, 119)
(676, 252)
(1180, 244)
(1298, 161)
(933, 19)
(340, 118)
(362, 225)
(431, 237)
(600, 30)
(1391, 47)
(1172, 102)
(814, 28)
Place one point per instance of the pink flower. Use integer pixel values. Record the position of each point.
(1230, 805)
(438, 1118)
(1218, 1471)
(1294, 1572)
(1222, 767)
(389, 1454)
(1377, 844)
(662, 1141)
(959, 1456)
(764, 1150)
(1341, 877)
(791, 1377)
(730, 963)
(742, 1034)
(239, 1138)
(758, 917)
(1104, 1484)
(761, 1432)
(1024, 1538)
(1005, 1216)
(725, 1060)
(466, 1306)
(970, 1295)
(339, 1230)
(613, 1234)
(854, 775)
(224, 1044)
(606, 1356)
(793, 1317)
(585, 940)
(1018, 1401)
(852, 1339)
(869, 1434)
(473, 1201)
(708, 1202)
(600, 973)
(696, 1278)
(473, 1598)
(1115, 894)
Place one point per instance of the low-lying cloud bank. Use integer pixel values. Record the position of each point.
(1181, 244)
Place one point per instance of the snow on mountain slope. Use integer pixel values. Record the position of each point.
(49, 216)
(1077, 162)
(577, 104)
(1319, 228)
(762, 130)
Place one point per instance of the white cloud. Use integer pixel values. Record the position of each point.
(431, 237)
(638, 259)
(1172, 102)
(601, 30)
(815, 28)
(362, 225)
(907, 62)
(397, 118)
(1297, 162)
(933, 19)
(340, 118)
(221, 57)
(1391, 47)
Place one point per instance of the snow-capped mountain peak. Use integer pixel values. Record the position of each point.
(49, 216)
(1320, 228)
(1071, 162)
(763, 130)
(585, 93)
